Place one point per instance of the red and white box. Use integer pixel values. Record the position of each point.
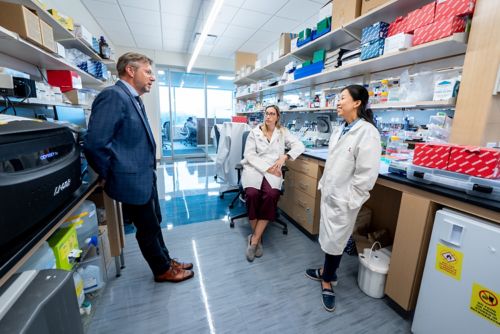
(439, 29)
(475, 161)
(432, 155)
(450, 8)
(239, 119)
(66, 80)
(420, 17)
(397, 26)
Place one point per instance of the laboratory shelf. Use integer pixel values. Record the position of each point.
(12, 45)
(77, 43)
(443, 48)
(445, 104)
(60, 32)
(347, 36)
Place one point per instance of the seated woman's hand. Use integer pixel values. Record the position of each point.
(274, 170)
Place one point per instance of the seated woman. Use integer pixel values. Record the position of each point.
(263, 158)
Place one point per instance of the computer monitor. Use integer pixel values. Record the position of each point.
(72, 115)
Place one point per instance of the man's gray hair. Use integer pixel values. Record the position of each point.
(131, 58)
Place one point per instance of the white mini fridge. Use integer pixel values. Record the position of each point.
(460, 290)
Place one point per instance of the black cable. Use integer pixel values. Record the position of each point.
(43, 76)
(7, 105)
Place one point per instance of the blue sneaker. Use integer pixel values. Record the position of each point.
(315, 275)
(328, 298)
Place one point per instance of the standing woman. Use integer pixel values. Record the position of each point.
(350, 172)
(263, 157)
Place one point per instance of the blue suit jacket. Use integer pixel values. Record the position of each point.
(120, 146)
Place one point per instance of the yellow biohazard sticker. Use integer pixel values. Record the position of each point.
(484, 302)
(449, 261)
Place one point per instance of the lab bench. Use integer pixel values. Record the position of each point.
(405, 208)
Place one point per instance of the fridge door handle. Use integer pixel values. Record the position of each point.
(454, 233)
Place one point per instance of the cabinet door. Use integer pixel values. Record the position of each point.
(409, 250)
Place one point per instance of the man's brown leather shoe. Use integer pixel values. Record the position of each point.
(174, 275)
(181, 265)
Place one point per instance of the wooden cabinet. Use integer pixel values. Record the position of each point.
(301, 198)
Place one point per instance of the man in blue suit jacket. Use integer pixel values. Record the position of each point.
(121, 148)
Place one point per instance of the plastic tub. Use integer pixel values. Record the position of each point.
(372, 273)
(92, 272)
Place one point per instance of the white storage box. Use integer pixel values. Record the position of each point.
(83, 33)
(372, 273)
(398, 42)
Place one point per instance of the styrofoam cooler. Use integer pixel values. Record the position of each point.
(372, 272)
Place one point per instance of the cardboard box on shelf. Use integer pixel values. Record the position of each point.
(66, 80)
(368, 5)
(397, 26)
(373, 32)
(398, 42)
(439, 29)
(64, 20)
(61, 51)
(344, 11)
(48, 36)
(76, 96)
(432, 155)
(475, 161)
(285, 43)
(420, 17)
(372, 49)
(21, 20)
(449, 8)
(82, 33)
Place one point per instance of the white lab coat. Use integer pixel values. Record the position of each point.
(261, 154)
(350, 172)
(229, 152)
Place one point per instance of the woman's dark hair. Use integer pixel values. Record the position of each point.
(359, 93)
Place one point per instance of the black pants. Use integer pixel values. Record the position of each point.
(330, 266)
(147, 219)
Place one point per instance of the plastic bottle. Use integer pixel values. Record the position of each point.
(104, 50)
(91, 276)
(80, 295)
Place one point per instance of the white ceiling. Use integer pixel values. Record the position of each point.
(170, 25)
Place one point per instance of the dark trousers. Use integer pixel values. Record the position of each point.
(330, 266)
(262, 203)
(147, 219)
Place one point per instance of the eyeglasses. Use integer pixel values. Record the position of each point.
(270, 113)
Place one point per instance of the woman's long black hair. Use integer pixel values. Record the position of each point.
(359, 93)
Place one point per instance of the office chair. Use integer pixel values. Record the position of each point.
(241, 192)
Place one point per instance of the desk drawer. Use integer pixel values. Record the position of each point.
(305, 184)
(305, 212)
(305, 166)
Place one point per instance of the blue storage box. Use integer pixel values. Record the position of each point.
(308, 70)
(301, 42)
(375, 31)
(318, 34)
(372, 49)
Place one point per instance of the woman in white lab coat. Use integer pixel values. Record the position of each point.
(350, 172)
(262, 161)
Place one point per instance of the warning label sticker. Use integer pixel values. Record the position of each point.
(449, 261)
(484, 302)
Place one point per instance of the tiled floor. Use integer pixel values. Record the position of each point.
(229, 294)
(189, 193)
